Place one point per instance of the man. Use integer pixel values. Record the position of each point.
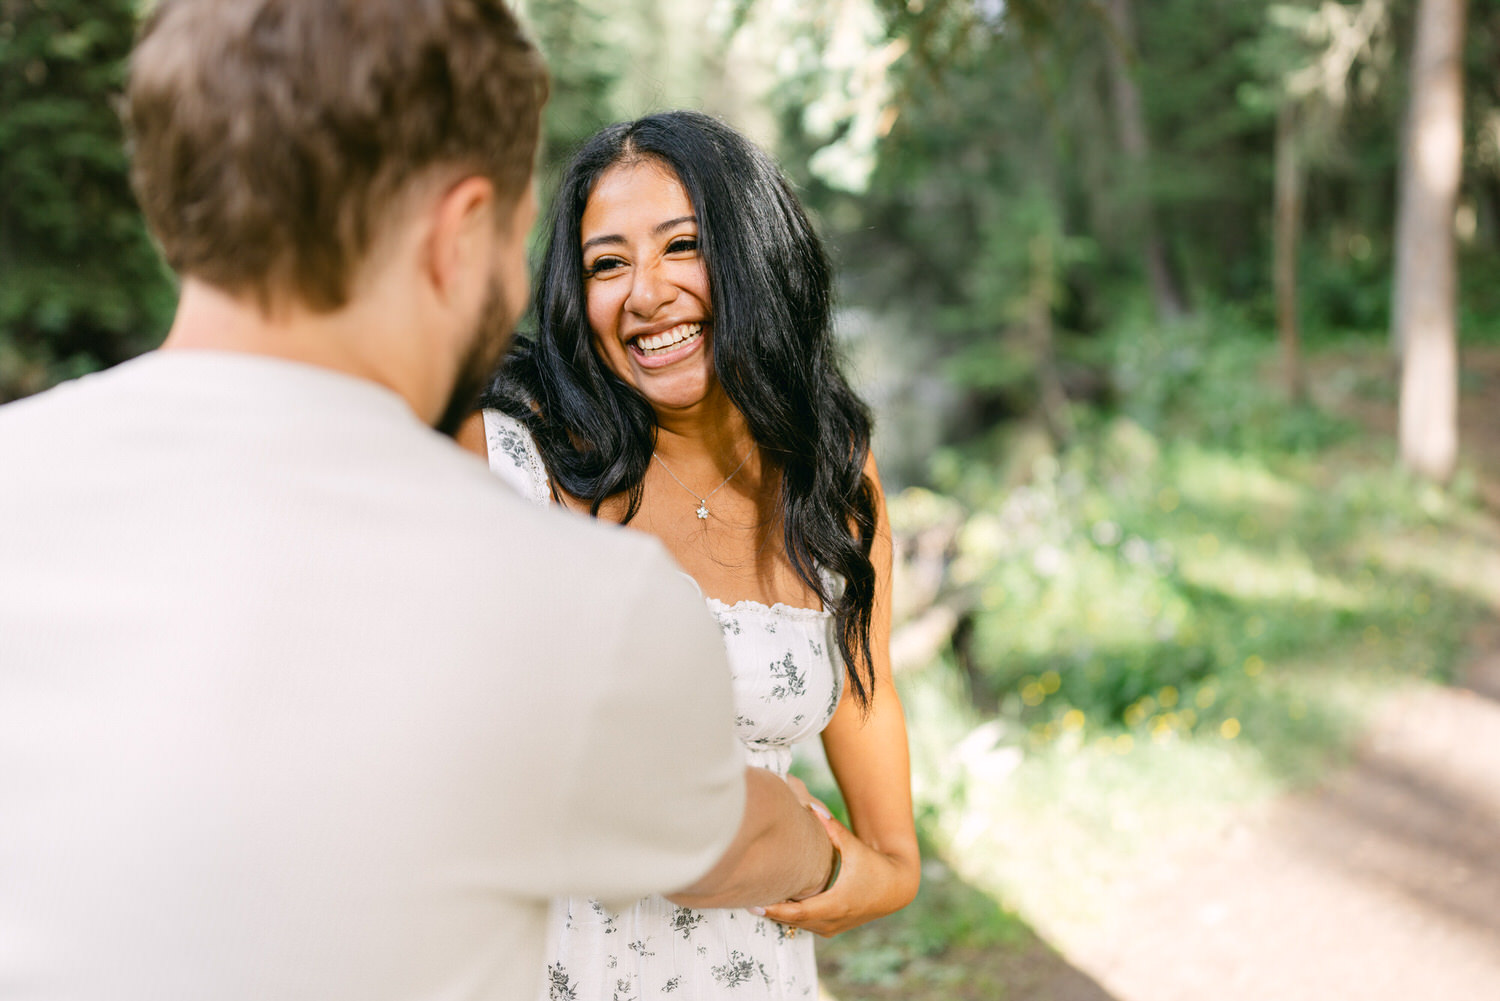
(296, 699)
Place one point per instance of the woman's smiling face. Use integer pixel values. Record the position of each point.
(646, 284)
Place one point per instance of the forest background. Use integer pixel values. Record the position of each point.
(1149, 299)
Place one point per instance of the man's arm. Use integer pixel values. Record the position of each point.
(780, 852)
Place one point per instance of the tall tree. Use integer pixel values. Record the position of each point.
(1312, 54)
(1288, 229)
(1425, 284)
(1130, 123)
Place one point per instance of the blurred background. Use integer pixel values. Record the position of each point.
(1181, 324)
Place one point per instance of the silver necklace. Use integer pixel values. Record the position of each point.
(703, 501)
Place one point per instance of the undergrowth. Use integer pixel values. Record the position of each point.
(1195, 604)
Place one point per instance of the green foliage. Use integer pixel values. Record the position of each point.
(585, 70)
(1167, 376)
(1151, 579)
(941, 144)
(83, 285)
(1479, 300)
(950, 917)
(1347, 289)
(1005, 132)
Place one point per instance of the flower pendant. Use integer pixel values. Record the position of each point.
(703, 510)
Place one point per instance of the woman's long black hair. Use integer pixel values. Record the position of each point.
(773, 352)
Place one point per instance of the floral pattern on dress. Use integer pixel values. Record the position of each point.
(783, 693)
(560, 985)
(606, 919)
(792, 680)
(514, 457)
(685, 919)
(739, 970)
(788, 678)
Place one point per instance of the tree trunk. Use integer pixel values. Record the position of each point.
(1039, 299)
(1130, 121)
(1288, 198)
(1424, 296)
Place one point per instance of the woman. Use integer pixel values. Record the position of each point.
(683, 382)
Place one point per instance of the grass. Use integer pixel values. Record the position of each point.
(1192, 609)
(1145, 591)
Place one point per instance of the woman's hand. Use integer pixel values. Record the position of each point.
(869, 885)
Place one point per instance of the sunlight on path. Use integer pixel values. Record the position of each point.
(1383, 884)
(1470, 566)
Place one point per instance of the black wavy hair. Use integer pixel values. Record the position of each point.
(773, 352)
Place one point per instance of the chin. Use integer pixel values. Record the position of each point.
(681, 392)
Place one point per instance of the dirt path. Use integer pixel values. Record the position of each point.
(1383, 883)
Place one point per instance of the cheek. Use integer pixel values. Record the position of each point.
(595, 311)
(698, 284)
(602, 309)
(607, 345)
(612, 356)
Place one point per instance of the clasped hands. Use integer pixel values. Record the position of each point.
(869, 883)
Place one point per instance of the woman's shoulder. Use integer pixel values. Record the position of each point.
(513, 456)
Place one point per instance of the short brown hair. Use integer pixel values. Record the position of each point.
(271, 138)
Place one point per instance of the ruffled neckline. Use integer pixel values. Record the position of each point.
(780, 610)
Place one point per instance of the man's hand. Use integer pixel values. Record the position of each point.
(781, 850)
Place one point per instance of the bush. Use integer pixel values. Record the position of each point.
(1207, 377)
(1156, 575)
(84, 287)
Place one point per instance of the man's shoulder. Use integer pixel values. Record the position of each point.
(56, 398)
(34, 427)
(590, 555)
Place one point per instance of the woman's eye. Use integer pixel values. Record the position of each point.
(683, 245)
(602, 265)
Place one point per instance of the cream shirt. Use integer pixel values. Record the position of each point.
(297, 701)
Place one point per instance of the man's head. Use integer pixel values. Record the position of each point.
(277, 144)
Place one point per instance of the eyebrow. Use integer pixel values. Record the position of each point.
(657, 230)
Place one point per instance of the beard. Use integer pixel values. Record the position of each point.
(492, 337)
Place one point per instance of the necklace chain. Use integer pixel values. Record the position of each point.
(702, 511)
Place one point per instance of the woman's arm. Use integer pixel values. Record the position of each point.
(871, 763)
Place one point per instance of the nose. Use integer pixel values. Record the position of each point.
(650, 289)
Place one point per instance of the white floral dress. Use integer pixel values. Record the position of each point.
(788, 677)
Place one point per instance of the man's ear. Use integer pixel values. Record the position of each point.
(461, 243)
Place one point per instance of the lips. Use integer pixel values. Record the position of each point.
(656, 344)
(666, 346)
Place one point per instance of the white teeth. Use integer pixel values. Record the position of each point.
(653, 343)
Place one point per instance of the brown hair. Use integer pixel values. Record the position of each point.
(271, 138)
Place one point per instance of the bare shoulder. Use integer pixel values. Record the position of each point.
(873, 475)
(471, 437)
